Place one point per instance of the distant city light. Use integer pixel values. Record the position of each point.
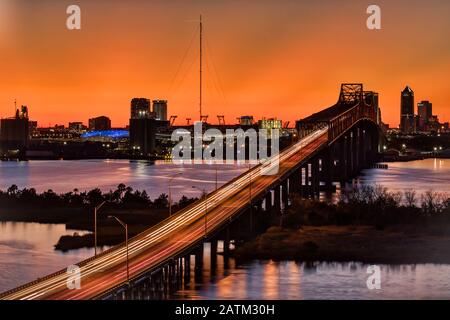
(113, 134)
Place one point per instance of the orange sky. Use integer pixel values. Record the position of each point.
(282, 59)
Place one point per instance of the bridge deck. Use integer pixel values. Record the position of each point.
(173, 237)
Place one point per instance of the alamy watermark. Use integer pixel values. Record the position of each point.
(374, 280)
(73, 277)
(213, 145)
(73, 21)
(374, 20)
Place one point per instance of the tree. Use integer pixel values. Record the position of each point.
(162, 201)
(12, 191)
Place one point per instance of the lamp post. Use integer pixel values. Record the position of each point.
(170, 191)
(126, 242)
(205, 195)
(96, 209)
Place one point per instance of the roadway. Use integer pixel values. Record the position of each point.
(171, 237)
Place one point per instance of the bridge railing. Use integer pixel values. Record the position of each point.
(338, 125)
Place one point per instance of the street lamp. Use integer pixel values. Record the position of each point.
(96, 209)
(205, 195)
(170, 191)
(126, 242)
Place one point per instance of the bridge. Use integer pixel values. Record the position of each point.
(333, 146)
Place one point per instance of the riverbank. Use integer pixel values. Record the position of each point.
(368, 224)
(76, 211)
(394, 245)
(81, 218)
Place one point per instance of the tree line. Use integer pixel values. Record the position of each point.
(371, 205)
(123, 196)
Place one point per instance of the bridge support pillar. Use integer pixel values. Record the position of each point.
(328, 169)
(213, 256)
(268, 201)
(343, 160)
(199, 262)
(364, 148)
(315, 178)
(277, 201)
(226, 243)
(285, 194)
(187, 270)
(294, 182)
(306, 189)
(358, 149)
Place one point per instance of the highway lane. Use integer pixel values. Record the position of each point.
(169, 238)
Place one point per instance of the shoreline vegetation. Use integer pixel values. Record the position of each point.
(368, 224)
(75, 209)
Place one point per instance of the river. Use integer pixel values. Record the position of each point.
(26, 249)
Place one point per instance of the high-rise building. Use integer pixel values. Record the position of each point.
(160, 109)
(101, 123)
(407, 121)
(425, 112)
(15, 132)
(140, 108)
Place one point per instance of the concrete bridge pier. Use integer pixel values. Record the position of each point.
(302, 182)
(364, 147)
(277, 200)
(285, 194)
(350, 157)
(306, 190)
(344, 159)
(199, 260)
(187, 269)
(359, 163)
(213, 256)
(226, 243)
(327, 172)
(315, 180)
(294, 182)
(268, 201)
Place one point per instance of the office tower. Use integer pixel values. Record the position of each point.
(140, 108)
(101, 123)
(160, 109)
(425, 112)
(407, 121)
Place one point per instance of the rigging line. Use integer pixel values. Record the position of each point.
(194, 36)
(184, 75)
(212, 80)
(215, 72)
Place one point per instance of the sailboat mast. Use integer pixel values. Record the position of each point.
(201, 65)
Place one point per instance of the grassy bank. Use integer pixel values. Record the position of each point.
(348, 243)
(369, 224)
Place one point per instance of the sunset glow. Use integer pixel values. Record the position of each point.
(270, 59)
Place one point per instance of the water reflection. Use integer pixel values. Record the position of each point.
(26, 252)
(107, 174)
(296, 281)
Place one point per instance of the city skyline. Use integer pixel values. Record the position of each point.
(260, 66)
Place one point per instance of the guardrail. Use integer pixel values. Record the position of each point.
(341, 123)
